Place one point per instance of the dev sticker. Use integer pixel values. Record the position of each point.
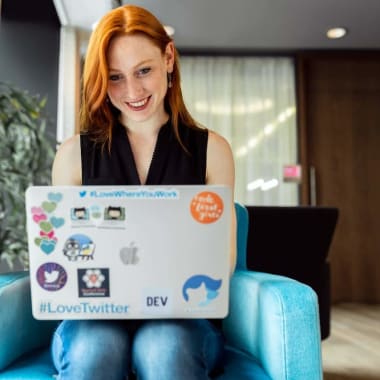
(157, 301)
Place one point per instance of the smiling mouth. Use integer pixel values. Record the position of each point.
(141, 104)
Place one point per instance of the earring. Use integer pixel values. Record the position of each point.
(170, 80)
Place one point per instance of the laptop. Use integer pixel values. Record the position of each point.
(129, 252)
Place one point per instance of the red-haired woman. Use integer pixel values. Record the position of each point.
(136, 130)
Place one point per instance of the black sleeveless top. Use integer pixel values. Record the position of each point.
(170, 165)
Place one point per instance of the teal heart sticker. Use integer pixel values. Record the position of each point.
(57, 222)
(55, 197)
(47, 246)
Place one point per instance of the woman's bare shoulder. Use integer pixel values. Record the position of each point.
(218, 142)
(67, 165)
(220, 162)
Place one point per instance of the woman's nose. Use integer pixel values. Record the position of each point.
(134, 89)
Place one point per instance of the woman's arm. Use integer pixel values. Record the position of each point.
(221, 171)
(67, 166)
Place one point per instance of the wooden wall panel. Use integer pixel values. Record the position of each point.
(340, 131)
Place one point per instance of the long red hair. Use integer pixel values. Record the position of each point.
(97, 115)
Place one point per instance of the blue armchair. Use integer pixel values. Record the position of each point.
(272, 330)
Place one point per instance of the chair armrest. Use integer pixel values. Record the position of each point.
(275, 319)
(19, 331)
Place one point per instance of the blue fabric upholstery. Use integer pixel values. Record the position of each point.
(272, 329)
(19, 332)
(275, 320)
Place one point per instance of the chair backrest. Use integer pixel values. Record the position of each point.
(288, 240)
(241, 235)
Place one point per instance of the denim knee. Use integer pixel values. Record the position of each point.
(176, 349)
(91, 350)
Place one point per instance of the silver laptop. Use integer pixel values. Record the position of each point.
(129, 252)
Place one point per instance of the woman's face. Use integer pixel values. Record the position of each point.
(137, 81)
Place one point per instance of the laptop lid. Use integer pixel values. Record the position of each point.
(129, 252)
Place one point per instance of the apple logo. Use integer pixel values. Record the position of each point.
(128, 255)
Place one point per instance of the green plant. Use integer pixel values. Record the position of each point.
(26, 155)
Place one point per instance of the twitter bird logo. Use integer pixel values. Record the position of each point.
(51, 277)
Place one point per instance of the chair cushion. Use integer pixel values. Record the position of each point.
(19, 331)
(239, 366)
(36, 365)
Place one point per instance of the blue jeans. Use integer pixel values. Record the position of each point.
(154, 350)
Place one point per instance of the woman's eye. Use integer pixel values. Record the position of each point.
(115, 77)
(143, 71)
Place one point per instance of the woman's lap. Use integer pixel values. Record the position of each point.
(154, 349)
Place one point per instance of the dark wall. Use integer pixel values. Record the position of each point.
(29, 50)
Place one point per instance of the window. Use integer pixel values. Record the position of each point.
(251, 102)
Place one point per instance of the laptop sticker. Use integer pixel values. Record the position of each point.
(79, 213)
(113, 217)
(51, 276)
(96, 212)
(201, 290)
(80, 247)
(47, 222)
(206, 207)
(93, 282)
(157, 301)
(80, 217)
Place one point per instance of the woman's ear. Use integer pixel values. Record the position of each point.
(169, 56)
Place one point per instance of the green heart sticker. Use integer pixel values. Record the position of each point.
(46, 226)
(49, 206)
